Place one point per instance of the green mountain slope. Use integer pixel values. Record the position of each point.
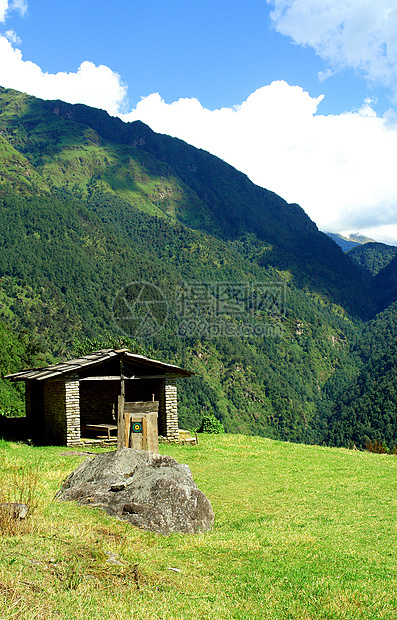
(373, 257)
(367, 410)
(90, 205)
(88, 152)
(62, 267)
(385, 285)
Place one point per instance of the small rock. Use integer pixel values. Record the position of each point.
(112, 559)
(15, 510)
(120, 486)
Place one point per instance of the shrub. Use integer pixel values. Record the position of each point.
(380, 447)
(211, 424)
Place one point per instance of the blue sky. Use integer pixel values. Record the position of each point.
(298, 94)
(218, 51)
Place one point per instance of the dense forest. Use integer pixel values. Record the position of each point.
(288, 336)
(373, 257)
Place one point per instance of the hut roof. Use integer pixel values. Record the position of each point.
(94, 359)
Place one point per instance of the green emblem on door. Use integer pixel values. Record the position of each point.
(137, 427)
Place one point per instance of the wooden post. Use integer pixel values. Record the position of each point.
(152, 437)
(122, 388)
(127, 429)
(120, 422)
(144, 433)
(121, 431)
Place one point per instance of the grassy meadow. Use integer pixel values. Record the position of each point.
(301, 532)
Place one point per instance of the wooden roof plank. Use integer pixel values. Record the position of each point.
(94, 359)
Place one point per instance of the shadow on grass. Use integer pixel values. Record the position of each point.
(16, 429)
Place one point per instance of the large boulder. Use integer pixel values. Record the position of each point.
(151, 491)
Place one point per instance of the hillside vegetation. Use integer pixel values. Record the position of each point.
(265, 309)
(373, 257)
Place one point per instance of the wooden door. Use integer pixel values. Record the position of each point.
(138, 425)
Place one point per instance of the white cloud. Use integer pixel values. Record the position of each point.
(15, 5)
(361, 34)
(383, 234)
(93, 85)
(12, 36)
(3, 9)
(340, 169)
(19, 5)
(97, 86)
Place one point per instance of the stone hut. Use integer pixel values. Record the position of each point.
(63, 399)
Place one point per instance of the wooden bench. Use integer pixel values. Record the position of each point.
(99, 427)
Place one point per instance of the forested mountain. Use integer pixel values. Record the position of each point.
(373, 257)
(264, 308)
(92, 154)
(367, 410)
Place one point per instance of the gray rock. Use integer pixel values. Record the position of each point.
(112, 559)
(151, 491)
(14, 510)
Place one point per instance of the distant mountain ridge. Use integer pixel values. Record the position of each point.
(350, 242)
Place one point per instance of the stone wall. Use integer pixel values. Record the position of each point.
(72, 399)
(62, 410)
(168, 410)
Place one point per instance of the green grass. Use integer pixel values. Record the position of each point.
(301, 532)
